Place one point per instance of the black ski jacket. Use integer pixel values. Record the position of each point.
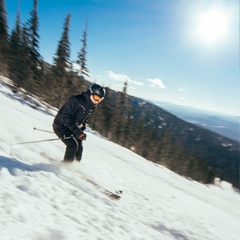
(75, 113)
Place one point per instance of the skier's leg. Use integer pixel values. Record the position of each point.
(71, 148)
(78, 154)
(71, 143)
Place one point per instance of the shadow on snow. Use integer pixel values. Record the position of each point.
(12, 164)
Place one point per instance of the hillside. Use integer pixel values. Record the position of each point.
(40, 200)
(161, 137)
(188, 144)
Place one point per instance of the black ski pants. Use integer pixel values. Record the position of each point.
(74, 146)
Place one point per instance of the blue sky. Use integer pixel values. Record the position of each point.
(180, 51)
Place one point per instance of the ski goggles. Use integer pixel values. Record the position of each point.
(97, 98)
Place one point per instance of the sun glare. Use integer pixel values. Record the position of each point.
(212, 25)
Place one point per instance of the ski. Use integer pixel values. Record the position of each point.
(111, 195)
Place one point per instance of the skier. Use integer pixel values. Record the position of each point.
(71, 120)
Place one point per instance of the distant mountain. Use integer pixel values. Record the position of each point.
(227, 126)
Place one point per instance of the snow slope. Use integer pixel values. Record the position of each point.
(42, 200)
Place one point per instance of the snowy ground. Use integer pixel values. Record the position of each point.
(40, 200)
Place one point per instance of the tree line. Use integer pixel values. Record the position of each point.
(131, 122)
(21, 60)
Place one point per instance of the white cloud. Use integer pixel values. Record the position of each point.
(122, 78)
(117, 77)
(156, 83)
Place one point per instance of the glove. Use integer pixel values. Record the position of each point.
(82, 136)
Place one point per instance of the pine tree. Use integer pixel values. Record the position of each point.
(140, 134)
(165, 148)
(26, 81)
(16, 68)
(126, 120)
(104, 115)
(33, 41)
(120, 116)
(108, 109)
(62, 64)
(4, 44)
(82, 53)
(19, 57)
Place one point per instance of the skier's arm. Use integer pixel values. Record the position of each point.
(83, 125)
(68, 114)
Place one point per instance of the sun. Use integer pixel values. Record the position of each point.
(212, 25)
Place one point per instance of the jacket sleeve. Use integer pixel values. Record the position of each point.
(84, 124)
(71, 111)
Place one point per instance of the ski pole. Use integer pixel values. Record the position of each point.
(42, 130)
(46, 140)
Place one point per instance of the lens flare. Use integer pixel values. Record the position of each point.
(212, 25)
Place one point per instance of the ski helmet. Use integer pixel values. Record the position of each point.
(98, 90)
